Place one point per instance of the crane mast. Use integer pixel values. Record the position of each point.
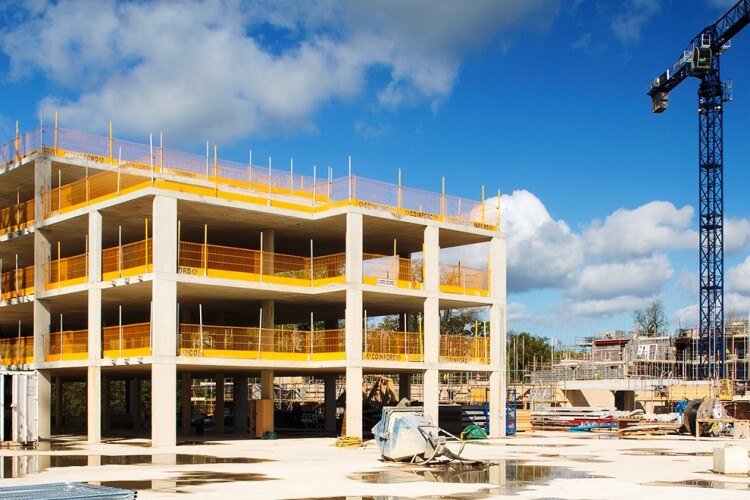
(701, 60)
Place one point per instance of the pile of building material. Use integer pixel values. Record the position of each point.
(563, 418)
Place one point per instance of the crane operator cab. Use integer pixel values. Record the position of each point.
(702, 55)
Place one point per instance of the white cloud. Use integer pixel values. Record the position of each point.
(627, 25)
(634, 278)
(736, 235)
(655, 226)
(588, 308)
(686, 317)
(224, 69)
(738, 278)
(542, 252)
(518, 312)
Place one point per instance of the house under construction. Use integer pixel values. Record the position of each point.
(124, 262)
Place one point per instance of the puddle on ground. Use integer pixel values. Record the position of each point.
(22, 465)
(702, 483)
(193, 478)
(576, 458)
(532, 445)
(658, 452)
(194, 443)
(58, 446)
(510, 475)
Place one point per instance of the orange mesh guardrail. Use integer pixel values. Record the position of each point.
(67, 271)
(388, 345)
(92, 189)
(462, 279)
(17, 283)
(67, 345)
(261, 181)
(17, 351)
(391, 271)
(224, 262)
(17, 217)
(127, 260)
(126, 340)
(464, 349)
(20, 147)
(260, 343)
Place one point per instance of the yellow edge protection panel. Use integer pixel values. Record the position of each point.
(329, 356)
(329, 281)
(72, 356)
(464, 291)
(14, 361)
(21, 293)
(66, 283)
(127, 353)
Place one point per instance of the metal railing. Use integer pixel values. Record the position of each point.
(17, 283)
(307, 192)
(17, 217)
(464, 349)
(67, 345)
(388, 345)
(66, 272)
(17, 350)
(126, 340)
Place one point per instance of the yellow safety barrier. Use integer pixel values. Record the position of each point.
(388, 345)
(66, 272)
(16, 284)
(17, 217)
(212, 341)
(213, 176)
(126, 340)
(464, 349)
(463, 280)
(67, 346)
(127, 260)
(17, 351)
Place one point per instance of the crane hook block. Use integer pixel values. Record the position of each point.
(659, 102)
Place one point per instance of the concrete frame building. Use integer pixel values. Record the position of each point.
(127, 262)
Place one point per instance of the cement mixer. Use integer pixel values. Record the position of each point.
(406, 434)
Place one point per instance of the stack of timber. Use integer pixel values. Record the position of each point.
(564, 418)
(523, 421)
(650, 429)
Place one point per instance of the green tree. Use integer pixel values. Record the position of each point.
(524, 352)
(651, 320)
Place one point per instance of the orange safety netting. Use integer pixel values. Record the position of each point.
(73, 341)
(15, 350)
(16, 217)
(137, 335)
(17, 283)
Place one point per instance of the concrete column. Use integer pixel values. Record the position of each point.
(58, 404)
(163, 404)
(135, 402)
(354, 401)
(42, 184)
(187, 403)
(164, 323)
(497, 336)
(353, 323)
(269, 247)
(94, 371)
(219, 406)
(269, 313)
(240, 405)
(42, 319)
(266, 393)
(105, 402)
(431, 321)
(266, 384)
(94, 403)
(404, 386)
(44, 392)
(330, 403)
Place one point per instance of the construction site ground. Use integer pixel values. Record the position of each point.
(542, 464)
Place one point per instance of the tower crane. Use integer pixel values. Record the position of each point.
(700, 59)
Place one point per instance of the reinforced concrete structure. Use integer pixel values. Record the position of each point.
(123, 262)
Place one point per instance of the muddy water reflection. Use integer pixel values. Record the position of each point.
(703, 483)
(22, 465)
(509, 475)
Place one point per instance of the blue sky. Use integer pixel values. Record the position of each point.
(542, 99)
